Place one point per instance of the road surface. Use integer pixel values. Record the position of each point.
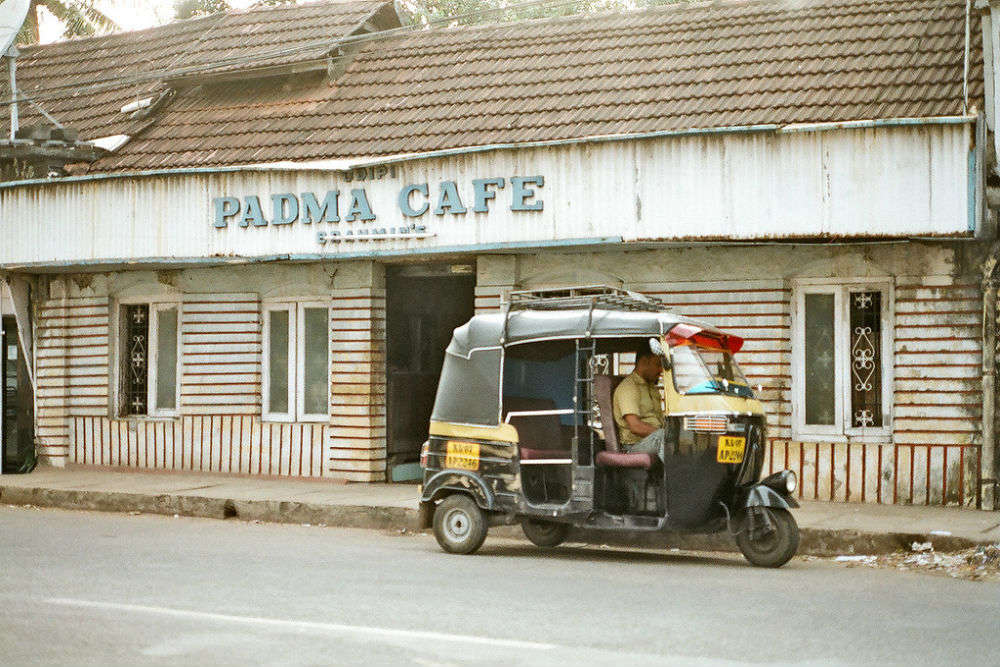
(80, 588)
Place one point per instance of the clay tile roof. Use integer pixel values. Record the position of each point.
(61, 75)
(678, 67)
(80, 81)
(295, 33)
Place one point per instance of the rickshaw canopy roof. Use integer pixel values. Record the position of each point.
(523, 326)
(469, 389)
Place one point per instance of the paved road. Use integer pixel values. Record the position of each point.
(82, 588)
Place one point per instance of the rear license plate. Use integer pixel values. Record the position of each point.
(731, 449)
(462, 455)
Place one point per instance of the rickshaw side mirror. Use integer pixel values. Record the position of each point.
(657, 348)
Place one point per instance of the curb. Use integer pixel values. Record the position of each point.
(813, 542)
(271, 511)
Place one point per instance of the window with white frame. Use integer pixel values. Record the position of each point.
(148, 358)
(842, 360)
(296, 357)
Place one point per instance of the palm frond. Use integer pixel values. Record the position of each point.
(29, 31)
(79, 17)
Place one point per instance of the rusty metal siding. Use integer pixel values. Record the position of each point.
(357, 434)
(931, 456)
(220, 353)
(234, 443)
(220, 429)
(938, 389)
(759, 312)
(934, 454)
(71, 366)
(889, 182)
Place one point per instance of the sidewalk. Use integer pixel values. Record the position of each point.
(827, 528)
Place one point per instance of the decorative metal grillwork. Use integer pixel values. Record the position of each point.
(866, 359)
(135, 360)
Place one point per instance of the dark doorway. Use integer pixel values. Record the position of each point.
(17, 447)
(424, 304)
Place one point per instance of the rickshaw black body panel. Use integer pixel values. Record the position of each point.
(493, 484)
(695, 484)
(448, 481)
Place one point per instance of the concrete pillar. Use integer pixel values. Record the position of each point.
(356, 448)
(496, 276)
(52, 392)
(988, 481)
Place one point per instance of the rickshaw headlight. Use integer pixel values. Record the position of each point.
(424, 450)
(784, 482)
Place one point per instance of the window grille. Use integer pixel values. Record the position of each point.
(866, 359)
(135, 360)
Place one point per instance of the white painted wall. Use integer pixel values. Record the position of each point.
(901, 181)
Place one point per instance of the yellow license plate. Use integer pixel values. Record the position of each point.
(462, 455)
(731, 449)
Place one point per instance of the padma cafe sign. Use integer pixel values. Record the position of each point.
(355, 219)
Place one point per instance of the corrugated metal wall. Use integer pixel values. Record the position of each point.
(933, 456)
(900, 181)
(357, 448)
(220, 354)
(220, 428)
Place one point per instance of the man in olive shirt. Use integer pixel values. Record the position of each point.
(638, 408)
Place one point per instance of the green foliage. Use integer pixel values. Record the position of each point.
(189, 9)
(423, 11)
(80, 18)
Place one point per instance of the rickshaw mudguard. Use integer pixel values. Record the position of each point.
(451, 481)
(764, 496)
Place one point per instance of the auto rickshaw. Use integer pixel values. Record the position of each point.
(523, 431)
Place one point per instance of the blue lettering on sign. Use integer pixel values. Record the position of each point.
(449, 199)
(313, 212)
(225, 207)
(482, 194)
(252, 213)
(414, 200)
(360, 208)
(520, 194)
(285, 209)
(404, 200)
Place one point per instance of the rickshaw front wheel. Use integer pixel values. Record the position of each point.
(544, 533)
(459, 525)
(769, 539)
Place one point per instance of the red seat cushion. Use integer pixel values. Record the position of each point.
(528, 454)
(625, 459)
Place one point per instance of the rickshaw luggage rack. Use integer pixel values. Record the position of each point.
(589, 296)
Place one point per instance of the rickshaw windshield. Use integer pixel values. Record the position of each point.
(707, 370)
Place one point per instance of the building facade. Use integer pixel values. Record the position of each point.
(288, 316)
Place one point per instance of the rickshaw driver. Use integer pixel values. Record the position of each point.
(638, 407)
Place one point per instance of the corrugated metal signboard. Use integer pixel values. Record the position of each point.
(891, 182)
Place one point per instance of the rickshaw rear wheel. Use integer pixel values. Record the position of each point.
(459, 525)
(769, 548)
(544, 533)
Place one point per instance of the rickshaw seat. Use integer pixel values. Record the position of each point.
(625, 459)
(612, 456)
(540, 436)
